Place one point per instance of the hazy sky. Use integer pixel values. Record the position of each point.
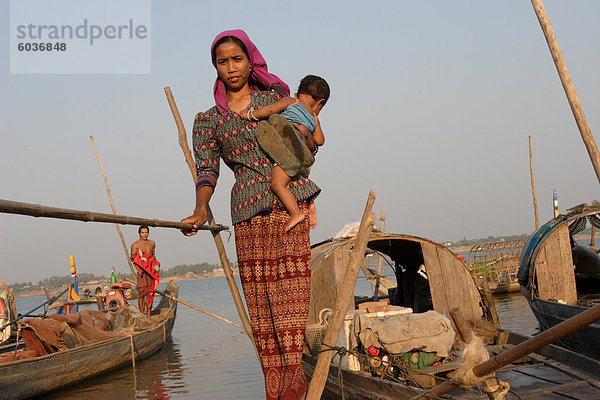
(431, 108)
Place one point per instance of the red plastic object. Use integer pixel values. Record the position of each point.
(373, 351)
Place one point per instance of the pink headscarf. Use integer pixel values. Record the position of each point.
(260, 78)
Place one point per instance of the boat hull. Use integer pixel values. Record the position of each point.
(585, 341)
(32, 377)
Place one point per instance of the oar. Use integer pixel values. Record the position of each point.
(553, 334)
(192, 306)
(38, 210)
(50, 301)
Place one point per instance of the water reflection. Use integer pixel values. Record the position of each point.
(157, 377)
(515, 314)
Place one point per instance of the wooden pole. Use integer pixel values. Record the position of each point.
(38, 210)
(567, 83)
(235, 293)
(461, 325)
(546, 337)
(112, 206)
(535, 207)
(380, 262)
(344, 300)
(192, 306)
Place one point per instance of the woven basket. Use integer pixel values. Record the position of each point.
(315, 333)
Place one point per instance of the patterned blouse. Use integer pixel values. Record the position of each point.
(232, 139)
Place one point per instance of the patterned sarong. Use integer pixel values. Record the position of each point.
(275, 273)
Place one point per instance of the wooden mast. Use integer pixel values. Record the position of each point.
(535, 207)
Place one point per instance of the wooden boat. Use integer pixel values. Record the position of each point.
(450, 285)
(32, 377)
(497, 263)
(554, 289)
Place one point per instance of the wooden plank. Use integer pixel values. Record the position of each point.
(450, 283)
(548, 374)
(561, 355)
(521, 383)
(580, 392)
(436, 278)
(461, 292)
(554, 268)
(569, 290)
(542, 275)
(577, 388)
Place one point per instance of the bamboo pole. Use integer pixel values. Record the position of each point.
(112, 206)
(380, 261)
(235, 293)
(38, 210)
(544, 338)
(344, 300)
(567, 83)
(535, 207)
(192, 306)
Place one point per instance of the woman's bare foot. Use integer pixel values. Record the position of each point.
(293, 221)
(312, 216)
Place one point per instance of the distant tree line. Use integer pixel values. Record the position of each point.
(56, 282)
(472, 242)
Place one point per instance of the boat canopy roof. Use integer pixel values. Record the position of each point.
(450, 281)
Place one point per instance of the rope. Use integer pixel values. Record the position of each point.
(133, 363)
(132, 354)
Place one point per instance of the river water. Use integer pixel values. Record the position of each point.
(208, 359)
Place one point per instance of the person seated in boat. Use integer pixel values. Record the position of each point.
(292, 118)
(8, 311)
(143, 257)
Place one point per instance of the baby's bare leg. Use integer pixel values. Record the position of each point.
(279, 181)
(312, 215)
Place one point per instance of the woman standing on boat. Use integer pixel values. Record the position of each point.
(274, 265)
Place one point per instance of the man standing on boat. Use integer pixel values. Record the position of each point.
(142, 254)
